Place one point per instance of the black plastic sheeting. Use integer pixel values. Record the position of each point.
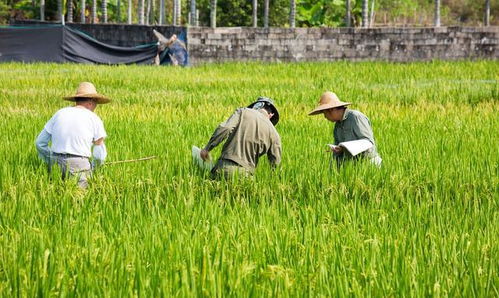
(64, 44)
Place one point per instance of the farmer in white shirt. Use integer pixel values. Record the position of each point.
(73, 132)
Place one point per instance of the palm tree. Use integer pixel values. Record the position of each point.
(59, 10)
(193, 13)
(118, 12)
(141, 12)
(129, 13)
(148, 12)
(82, 14)
(365, 5)
(292, 13)
(69, 18)
(213, 14)
(255, 13)
(437, 13)
(371, 15)
(178, 13)
(161, 12)
(266, 14)
(94, 11)
(104, 11)
(348, 16)
(487, 13)
(42, 10)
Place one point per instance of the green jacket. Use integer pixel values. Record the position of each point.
(249, 135)
(354, 126)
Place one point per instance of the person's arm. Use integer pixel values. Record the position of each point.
(274, 154)
(337, 150)
(99, 152)
(221, 133)
(42, 145)
(362, 129)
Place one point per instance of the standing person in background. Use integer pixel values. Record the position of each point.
(73, 131)
(250, 133)
(350, 125)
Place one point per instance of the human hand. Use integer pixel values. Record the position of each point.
(205, 154)
(337, 149)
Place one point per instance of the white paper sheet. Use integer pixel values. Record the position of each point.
(357, 146)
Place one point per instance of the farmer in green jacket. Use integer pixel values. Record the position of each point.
(250, 133)
(350, 125)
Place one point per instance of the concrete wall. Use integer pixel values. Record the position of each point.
(331, 44)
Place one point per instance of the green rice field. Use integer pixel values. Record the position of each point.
(425, 224)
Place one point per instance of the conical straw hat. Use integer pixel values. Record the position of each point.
(87, 90)
(328, 100)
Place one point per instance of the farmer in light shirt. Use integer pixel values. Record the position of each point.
(350, 125)
(73, 132)
(250, 134)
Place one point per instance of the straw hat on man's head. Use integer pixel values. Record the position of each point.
(328, 100)
(87, 91)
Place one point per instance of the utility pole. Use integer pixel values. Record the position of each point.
(292, 14)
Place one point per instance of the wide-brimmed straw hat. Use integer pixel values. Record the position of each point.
(328, 100)
(87, 90)
(265, 101)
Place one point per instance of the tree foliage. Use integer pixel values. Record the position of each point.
(309, 13)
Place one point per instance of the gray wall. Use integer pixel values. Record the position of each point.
(331, 44)
(126, 35)
(207, 45)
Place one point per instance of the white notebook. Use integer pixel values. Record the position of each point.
(354, 147)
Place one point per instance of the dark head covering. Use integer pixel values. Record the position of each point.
(268, 103)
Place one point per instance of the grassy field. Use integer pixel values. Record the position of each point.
(425, 224)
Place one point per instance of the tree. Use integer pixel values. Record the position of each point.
(141, 12)
(192, 19)
(161, 12)
(255, 13)
(437, 13)
(59, 10)
(69, 17)
(487, 13)
(348, 16)
(213, 15)
(365, 5)
(292, 13)
(42, 10)
(104, 11)
(82, 12)
(266, 14)
(129, 13)
(94, 11)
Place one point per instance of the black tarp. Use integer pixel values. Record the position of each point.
(64, 44)
(31, 44)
